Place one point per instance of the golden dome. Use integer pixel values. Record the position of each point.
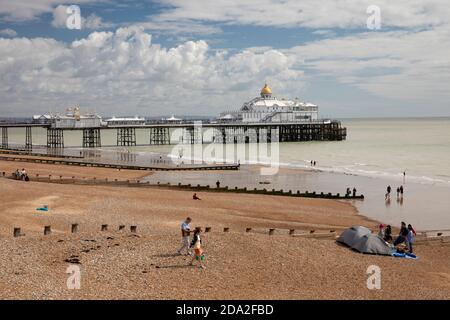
(266, 90)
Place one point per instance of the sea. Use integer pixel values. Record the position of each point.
(409, 152)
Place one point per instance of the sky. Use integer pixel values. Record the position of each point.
(365, 58)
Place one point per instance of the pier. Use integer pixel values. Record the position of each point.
(193, 133)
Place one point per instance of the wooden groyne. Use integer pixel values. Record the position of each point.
(321, 233)
(37, 154)
(273, 192)
(73, 162)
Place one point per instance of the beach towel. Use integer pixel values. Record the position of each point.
(404, 255)
(42, 209)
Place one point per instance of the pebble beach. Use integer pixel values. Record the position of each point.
(119, 264)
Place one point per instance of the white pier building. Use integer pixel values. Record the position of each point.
(267, 108)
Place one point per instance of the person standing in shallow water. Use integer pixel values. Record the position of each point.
(354, 192)
(388, 193)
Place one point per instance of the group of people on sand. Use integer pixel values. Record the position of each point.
(313, 163)
(195, 243)
(21, 175)
(406, 236)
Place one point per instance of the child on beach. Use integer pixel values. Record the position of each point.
(196, 244)
(381, 231)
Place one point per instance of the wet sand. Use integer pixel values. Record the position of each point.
(424, 206)
(119, 265)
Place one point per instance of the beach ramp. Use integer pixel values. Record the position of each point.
(372, 244)
(350, 236)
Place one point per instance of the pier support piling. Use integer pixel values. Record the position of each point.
(4, 144)
(55, 138)
(91, 138)
(28, 139)
(126, 137)
(159, 136)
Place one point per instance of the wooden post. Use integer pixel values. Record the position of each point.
(104, 227)
(248, 229)
(17, 232)
(271, 231)
(74, 227)
(291, 231)
(226, 229)
(133, 229)
(207, 229)
(121, 227)
(47, 230)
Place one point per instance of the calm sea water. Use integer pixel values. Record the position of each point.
(375, 154)
(374, 148)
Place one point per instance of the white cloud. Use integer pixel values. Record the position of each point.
(59, 16)
(123, 72)
(309, 13)
(398, 65)
(8, 33)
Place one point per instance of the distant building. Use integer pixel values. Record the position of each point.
(42, 119)
(267, 108)
(173, 119)
(136, 121)
(73, 119)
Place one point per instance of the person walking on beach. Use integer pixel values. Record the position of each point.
(398, 192)
(196, 244)
(314, 163)
(218, 184)
(388, 193)
(354, 192)
(401, 191)
(402, 235)
(410, 237)
(185, 232)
